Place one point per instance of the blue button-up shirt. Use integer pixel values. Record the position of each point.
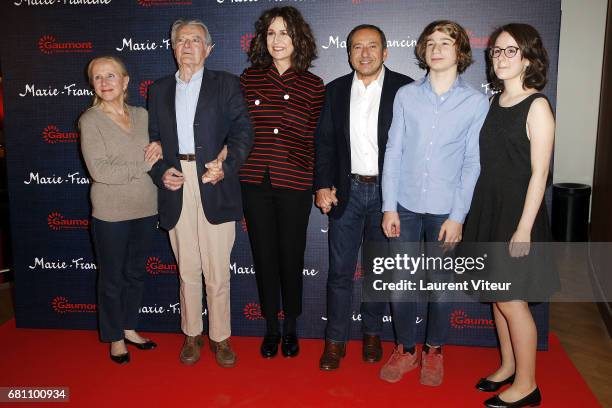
(186, 101)
(432, 159)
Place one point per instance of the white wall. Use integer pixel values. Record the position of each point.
(583, 24)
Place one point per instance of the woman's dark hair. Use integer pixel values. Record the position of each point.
(454, 31)
(530, 43)
(305, 48)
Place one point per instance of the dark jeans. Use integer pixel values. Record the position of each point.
(415, 227)
(360, 221)
(277, 221)
(122, 248)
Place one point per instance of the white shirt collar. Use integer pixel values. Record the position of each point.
(195, 77)
(379, 81)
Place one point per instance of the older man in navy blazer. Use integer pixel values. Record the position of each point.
(350, 149)
(194, 114)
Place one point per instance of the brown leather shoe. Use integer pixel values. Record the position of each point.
(224, 354)
(190, 353)
(334, 351)
(372, 349)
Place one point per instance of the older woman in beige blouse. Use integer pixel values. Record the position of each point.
(115, 145)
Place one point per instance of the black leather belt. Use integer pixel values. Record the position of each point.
(186, 157)
(364, 179)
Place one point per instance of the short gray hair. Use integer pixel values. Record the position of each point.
(180, 23)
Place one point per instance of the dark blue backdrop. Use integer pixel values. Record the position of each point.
(44, 52)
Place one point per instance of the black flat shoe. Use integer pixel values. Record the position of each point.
(121, 358)
(290, 346)
(147, 345)
(269, 345)
(492, 386)
(532, 400)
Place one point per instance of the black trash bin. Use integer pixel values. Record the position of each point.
(570, 212)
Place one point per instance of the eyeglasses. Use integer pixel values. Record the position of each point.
(183, 41)
(509, 52)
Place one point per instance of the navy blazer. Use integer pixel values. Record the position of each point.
(332, 141)
(221, 118)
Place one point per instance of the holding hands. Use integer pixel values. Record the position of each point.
(215, 168)
(174, 179)
(325, 198)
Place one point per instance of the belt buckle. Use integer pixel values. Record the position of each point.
(187, 157)
(364, 179)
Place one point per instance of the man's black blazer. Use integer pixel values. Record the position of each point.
(332, 141)
(221, 118)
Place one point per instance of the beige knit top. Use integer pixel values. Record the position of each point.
(121, 189)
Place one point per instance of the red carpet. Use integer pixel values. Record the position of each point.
(156, 379)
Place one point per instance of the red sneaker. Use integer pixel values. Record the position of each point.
(432, 367)
(398, 364)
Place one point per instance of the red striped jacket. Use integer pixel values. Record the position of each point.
(284, 111)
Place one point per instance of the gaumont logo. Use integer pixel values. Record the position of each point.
(57, 222)
(245, 41)
(62, 305)
(252, 311)
(459, 319)
(151, 3)
(143, 88)
(48, 44)
(52, 135)
(476, 41)
(61, 2)
(155, 266)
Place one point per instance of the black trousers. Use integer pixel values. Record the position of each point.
(121, 249)
(277, 220)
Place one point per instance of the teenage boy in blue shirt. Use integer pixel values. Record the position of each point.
(431, 167)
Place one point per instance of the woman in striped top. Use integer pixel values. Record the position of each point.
(284, 101)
